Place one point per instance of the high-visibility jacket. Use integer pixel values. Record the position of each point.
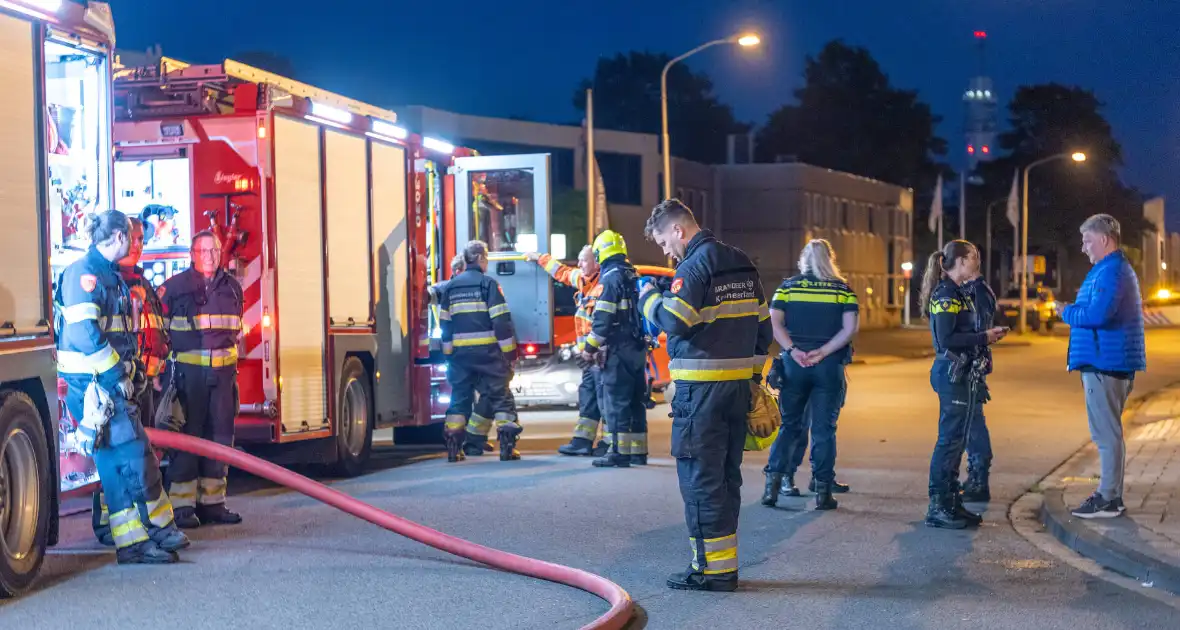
(203, 319)
(146, 324)
(474, 316)
(90, 296)
(715, 314)
(589, 290)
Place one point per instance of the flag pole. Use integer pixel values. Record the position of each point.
(591, 189)
(963, 205)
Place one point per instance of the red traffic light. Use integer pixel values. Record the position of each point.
(985, 149)
(971, 148)
(980, 34)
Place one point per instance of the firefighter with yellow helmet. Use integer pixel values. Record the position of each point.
(617, 342)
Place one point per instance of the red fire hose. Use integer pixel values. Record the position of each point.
(621, 605)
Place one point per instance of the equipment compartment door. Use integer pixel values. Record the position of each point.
(505, 202)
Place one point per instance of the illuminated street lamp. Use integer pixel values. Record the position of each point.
(1076, 156)
(907, 268)
(744, 40)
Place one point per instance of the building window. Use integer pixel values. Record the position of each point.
(622, 174)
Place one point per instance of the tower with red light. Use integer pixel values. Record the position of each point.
(979, 112)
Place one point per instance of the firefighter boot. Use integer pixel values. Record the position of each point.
(577, 446)
(976, 489)
(170, 539)
(476, 446)
(600, 449)
(941, 513)
(101, 521)
(454, 439)
(218, 514)
(145, 552)
(823, 496)
(691, 580)
(639, 460)
(612, 460)
(789, 488)
(186, 518)
(506, 435)
(774, 483)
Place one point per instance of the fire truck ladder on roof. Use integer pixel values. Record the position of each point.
(188, 89)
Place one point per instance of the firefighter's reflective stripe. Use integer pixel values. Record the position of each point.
(611, 307)
(183, 493)
(731, 309)
(479, 425)
(503, 418)
(160, 511)
(448, 347)
(594, 339)
(104, 517)
(469, 307)
(711, 369)
(80, 312)
(212, 491)
(455, 422)
(720, 554)
(462, 340)
(632, 443)
(498, 310)
(507, 345)
(586, 429)
(760, 362)
(209, 358)
(126, 528)
(763, 311)
(674, 305)
(69, 362)
(205, 322)
(148, 322)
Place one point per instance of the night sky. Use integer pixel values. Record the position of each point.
(524, 57)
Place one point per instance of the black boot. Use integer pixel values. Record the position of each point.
(612, 460)
(823, 496)
(218, 514)
(973, 519)
(476, 445)
(186, 518)
(146, 552)
(454, 441)
(696, 581)
(639, 460)
(941, 513)
(577, 447)
(506, 435)
(170, 539)
(976, 489)
(600, 449)
(789, 488)
(774, 483)
(837, 487)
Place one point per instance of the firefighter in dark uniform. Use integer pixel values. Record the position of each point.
(956, 374)
(979, 441)
(617, 333)
(718, 327)
(480, 343)
(203, 313)
(91, 297)
(814, 316)
(482, 414)
(146, 326)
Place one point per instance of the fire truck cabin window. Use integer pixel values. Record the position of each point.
(503, 209)
(76, 97)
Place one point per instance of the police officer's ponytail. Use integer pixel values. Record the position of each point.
(938, 264)
(104, 225)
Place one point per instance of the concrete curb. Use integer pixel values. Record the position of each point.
(1071, 532)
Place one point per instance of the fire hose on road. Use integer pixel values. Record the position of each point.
(621, 605)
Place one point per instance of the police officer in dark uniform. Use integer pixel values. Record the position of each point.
(617, 332)
(979, 441)
(480, 343)
(956, 374)
(203, 312)
(815, 316)
(718, 327)
(91, 296)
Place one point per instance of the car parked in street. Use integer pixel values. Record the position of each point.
(1041, 309)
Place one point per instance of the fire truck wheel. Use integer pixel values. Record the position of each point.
(354, 440)
(25, 492)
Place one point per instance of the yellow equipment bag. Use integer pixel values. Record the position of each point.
(763, 419)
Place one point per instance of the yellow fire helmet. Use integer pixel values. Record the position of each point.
(607, 244)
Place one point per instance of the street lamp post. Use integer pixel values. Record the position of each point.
(1076, 156)
(745, 40)
(907, 268)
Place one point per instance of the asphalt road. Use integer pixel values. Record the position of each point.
(870, 563)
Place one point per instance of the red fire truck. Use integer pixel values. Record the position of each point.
(334, 218)
(55, 171)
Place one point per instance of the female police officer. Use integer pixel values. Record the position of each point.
(956, 374)
(815, 315)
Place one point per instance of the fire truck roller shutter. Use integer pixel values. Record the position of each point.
(347, 183)
(395, 352)
(23, 282)
(299, 240)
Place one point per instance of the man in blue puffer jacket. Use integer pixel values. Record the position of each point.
(1106, 345)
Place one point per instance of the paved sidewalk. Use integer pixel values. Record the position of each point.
(1145, 542)
(899, 344)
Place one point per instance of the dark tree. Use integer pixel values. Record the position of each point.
(627, 98)
(850, 118)
(270, 62)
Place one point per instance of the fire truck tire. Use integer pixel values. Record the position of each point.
(26, 492)
(354, 440)
(622, 607)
